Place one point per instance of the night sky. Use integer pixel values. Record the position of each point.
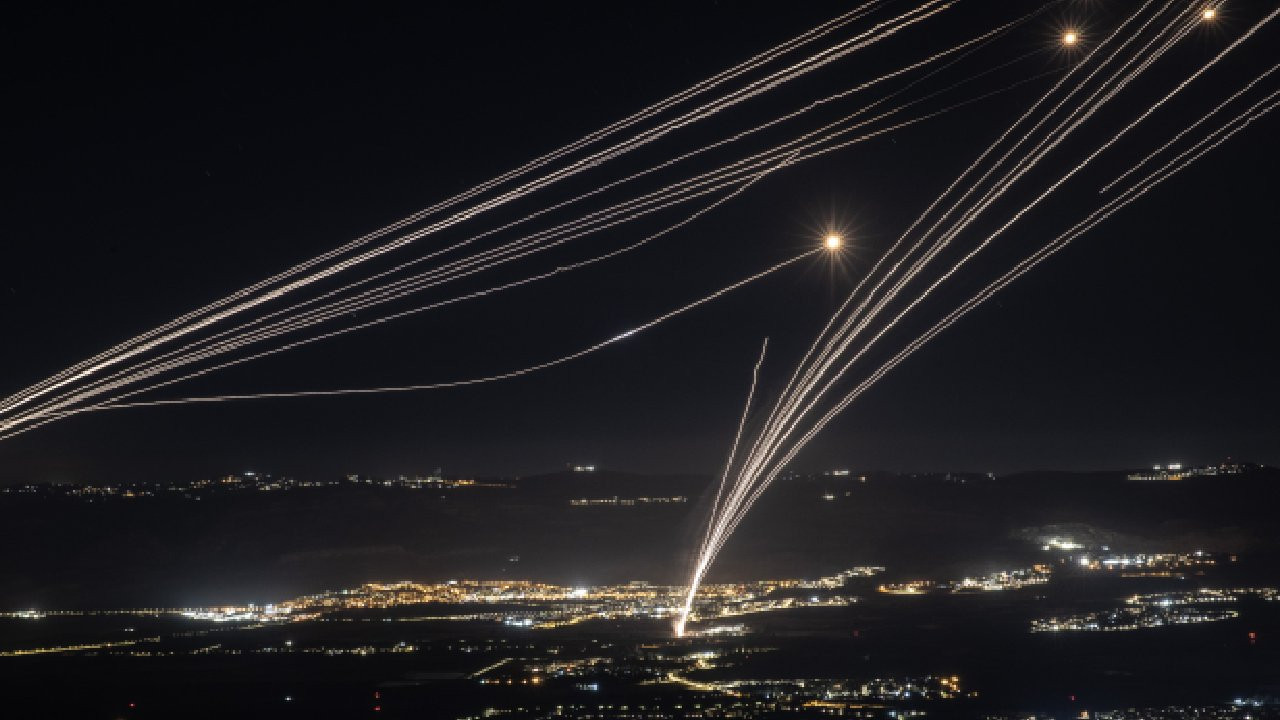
(156, 162)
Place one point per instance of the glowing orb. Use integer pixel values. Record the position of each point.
(833, 242)
(1210, 13)
(1071, 37)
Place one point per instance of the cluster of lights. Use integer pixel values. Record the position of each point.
(525, 604)
(626, 502)
(1175, 471)
(247, 482)
(991, 582)
(78, 647)
(1059, 543)
(545, 605)
(674, 664)
(1157, 610)
(1146, 563)
(843, 693)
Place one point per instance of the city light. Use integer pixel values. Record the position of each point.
(1158, 610)
(833, 242)
(1070, 37)
(526, 604)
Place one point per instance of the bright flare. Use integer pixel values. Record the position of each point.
(1071, 37)
(833, 242)
(1210, 13)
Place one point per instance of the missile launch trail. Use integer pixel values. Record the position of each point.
(195, 344)
(809, 401)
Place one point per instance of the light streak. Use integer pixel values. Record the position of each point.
(654, 322)
(683, 617)
(1235, 95)
(1020, 168)
(786, 419)
(201, 318)
(482, 293)
(804, 363)
(7, 431)
(726, 528)
(776, 444)
(208, 347)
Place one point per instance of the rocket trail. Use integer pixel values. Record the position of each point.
(329, 312)
(780, 433)
(914, 270)
(833, 353)
(61, 409)
(950, 189)
(724, 477)
(202, 318)
(1204, 118)
(1094, 154)
(259, 330)
(1211, 141)
(595, 347)
(718, 534)
(1020, 168)
(436, 277)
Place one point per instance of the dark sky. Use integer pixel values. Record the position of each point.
(158, 161)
